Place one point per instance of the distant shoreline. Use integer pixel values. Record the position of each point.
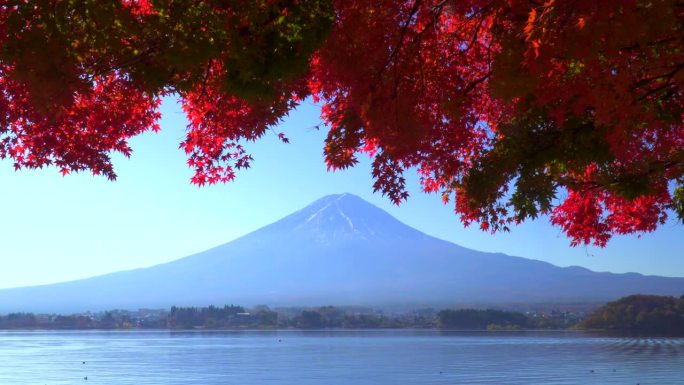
(299, 329)
(632, 316)
(588, 332)
(232, 317)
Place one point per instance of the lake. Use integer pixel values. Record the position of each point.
(398, 357)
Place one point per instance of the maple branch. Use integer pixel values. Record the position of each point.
(665, 85)
(474, 83)
(656, 166)
(473, 40)
(122, 65)
(402, 36)
(206, 79)
(651, 44)
(439, 7)
(667, 76)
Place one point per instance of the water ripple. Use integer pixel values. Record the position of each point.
(336, 358)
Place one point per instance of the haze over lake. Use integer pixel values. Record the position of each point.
(336, 358)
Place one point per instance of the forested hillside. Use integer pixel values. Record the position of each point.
(641, 314)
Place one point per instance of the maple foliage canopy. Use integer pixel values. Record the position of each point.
(510, 109)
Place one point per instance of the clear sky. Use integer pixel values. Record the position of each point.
(56, 228)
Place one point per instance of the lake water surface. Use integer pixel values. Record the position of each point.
(336, 358)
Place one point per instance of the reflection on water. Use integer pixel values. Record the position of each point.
(337, 358)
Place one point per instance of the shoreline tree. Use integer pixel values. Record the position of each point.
(640, 314)
(509, 109)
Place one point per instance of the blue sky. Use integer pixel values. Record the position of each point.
(58, 228)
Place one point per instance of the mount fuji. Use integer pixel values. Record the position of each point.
(339, 250)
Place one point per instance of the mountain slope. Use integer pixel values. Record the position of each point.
(338, 250)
